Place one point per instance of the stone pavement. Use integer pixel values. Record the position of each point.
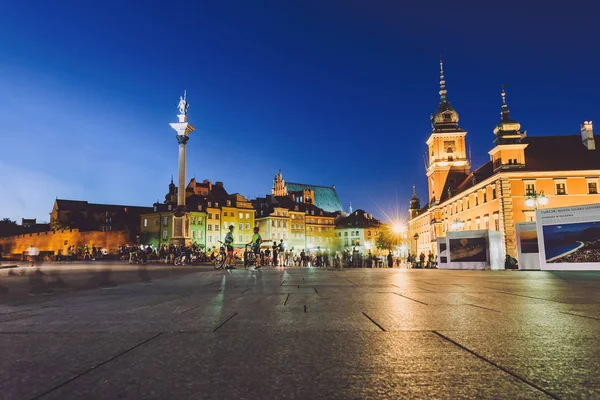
(310, 334)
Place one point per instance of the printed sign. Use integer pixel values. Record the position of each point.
(569, 237)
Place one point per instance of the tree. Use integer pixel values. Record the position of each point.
(8, 227)
(385, 240)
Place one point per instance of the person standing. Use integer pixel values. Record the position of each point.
(390, 260)
(275, 253)
(319, 262)
(256, 242)
(33, 253)
(229, 245)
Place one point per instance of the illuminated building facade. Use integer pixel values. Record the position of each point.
(558, 170)
(358, 230)
(211, 211)
(324, 197)
(300, 224)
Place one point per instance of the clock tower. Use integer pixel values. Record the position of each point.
(446, 148)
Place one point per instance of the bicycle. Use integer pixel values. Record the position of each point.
(249, 257)
(219, 261)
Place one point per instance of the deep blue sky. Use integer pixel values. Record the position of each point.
(331, 92)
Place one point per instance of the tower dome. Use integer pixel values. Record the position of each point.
(445, 118)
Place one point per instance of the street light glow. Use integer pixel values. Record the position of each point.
(530, 202)
(398, 228)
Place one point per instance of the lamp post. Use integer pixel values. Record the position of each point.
(416, 237)
(536, 199)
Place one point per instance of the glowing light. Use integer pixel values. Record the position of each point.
(530, 202)
(398, 228)
(543, 200)
(368, 246)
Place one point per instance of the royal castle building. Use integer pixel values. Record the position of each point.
(523, 173)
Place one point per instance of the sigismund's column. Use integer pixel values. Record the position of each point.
(183, 129)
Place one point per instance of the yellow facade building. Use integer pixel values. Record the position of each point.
(300, 224)
(524, 172)
(210, 212)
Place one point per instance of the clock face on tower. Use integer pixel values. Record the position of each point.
(449, 146)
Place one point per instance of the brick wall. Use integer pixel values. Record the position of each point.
(53, 241)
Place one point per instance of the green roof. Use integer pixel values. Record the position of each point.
(326, 197)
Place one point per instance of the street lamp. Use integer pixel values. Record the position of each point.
(416, 237)
(457, 224)
(536, 199)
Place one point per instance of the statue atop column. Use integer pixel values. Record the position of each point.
(183, 104)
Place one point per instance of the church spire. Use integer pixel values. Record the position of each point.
(443, 90)
(507, 131)
(445, 118)
(505, 113)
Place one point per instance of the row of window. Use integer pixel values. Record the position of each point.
(318, 229)
(232, 214)
(241, 226)
(279, 223)
(447, 225)
(560, 186)
(466, 203)
(318, 221)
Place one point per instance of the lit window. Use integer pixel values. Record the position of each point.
(247, 216)
(145, 221)
(165, 221)
(241, 216)
(209, 239)
(592, 188)
(165, 234)
(561, 188)
(229, 203)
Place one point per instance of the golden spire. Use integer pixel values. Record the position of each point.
(505, 113)
(443, 90)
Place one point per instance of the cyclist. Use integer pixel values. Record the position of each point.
(256, 241)
(229, 245)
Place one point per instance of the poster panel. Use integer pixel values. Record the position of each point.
(442, 252)
(467, 250)
(472, 249)
(569, 237)
(527, 245)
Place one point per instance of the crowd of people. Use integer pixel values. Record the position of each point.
(269, 253)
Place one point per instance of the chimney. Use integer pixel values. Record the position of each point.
(587, 135)
(219, 184)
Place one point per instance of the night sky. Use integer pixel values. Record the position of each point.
(330, 92)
